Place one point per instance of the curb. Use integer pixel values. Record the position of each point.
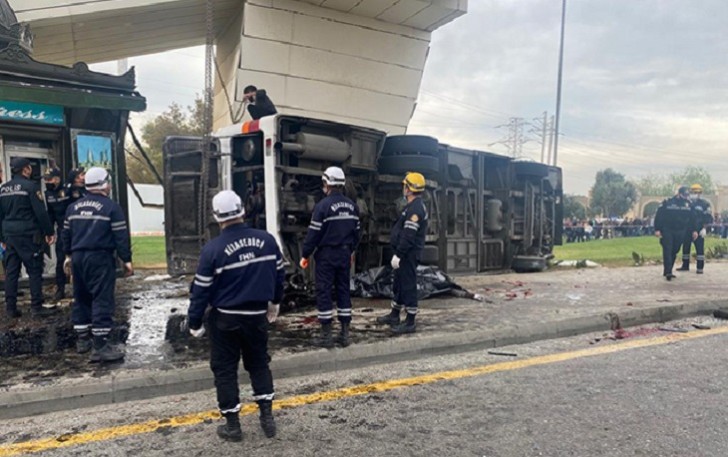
(129, 387)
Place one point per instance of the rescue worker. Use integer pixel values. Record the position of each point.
(334, 235)
(75, 188)
(260, 105)
(240, 276)
(703, 217)
(25, 229)
(673, 219)
(57, 200)
(95, 232)
(408, 241)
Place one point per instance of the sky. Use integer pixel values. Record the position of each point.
(645, 83)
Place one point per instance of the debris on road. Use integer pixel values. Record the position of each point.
(505, 354)
(431, 281)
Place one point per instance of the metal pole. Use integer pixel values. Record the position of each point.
(543, 137)
(558, 87)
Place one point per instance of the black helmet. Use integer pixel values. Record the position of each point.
(683, 191)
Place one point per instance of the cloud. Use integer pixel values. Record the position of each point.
(644, 82)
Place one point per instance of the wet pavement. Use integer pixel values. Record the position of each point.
(511, 299)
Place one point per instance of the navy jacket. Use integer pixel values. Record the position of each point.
(75, 193)
(57, 201)
(703, 215)
(239, 272)
(675, 214)
(22, 209)
(96, 223)
(408, 233)
(335, 222)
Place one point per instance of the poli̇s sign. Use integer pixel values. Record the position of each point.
(31, 112)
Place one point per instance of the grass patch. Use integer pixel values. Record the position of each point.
(617, 252)
(149, 252)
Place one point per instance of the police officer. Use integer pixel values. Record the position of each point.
(334, 235)
(57, 200)
(24, 228)
(75, 188)
(703, 217)
(94, 230)
(408, 241)
(240, 276)
(673, 219)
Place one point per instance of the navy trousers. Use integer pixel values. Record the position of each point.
(23, 251)
(333, 268)
(233, 337)
(671, 242)
(94, 281)
(699, 251)
(405, 284)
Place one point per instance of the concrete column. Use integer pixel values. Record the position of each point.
(322, 63)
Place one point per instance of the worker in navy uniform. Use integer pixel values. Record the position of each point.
(674, 218)
(25, 230)
(76, 187)
(703, 218)
(408, 241)
(334, 235)
(259, 104)
(95, 232)
(57, 200)
(240, 277)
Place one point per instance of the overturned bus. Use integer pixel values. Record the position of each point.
(487, 212)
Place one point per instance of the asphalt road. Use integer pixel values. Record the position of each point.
(570, 397)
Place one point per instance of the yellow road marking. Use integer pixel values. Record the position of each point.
(112, 433)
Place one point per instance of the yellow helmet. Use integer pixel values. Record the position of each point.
(415, 182)
(696, 189)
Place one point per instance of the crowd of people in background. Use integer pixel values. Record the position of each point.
(579, 231)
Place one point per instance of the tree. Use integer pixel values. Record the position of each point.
(693, 175)
(666, 185)
(173, 121)
(573, 209)
(612, 195)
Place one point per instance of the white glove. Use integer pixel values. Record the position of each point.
(395, 262)
(198, 333)
(703, 232)
(273, 311)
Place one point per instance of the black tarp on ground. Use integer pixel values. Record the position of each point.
(431, 281)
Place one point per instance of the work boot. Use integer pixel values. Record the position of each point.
(230, 431)
(41, 311)
(324, 340)
(700, 272)
(408, 326)
(104, 351)
(267, 423)
(343, 338)
(391, 319)
(60, 294)
(13, 313)
(84, 344)
(670, 276)
(683, 268)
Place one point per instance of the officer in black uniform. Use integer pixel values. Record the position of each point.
(334, 234)
(24, 231)
(57, 199)
(673, 219)
(240, 276)
(408, 241)
(260, 105)
(703, 217)
(76, 187)
(95, 232)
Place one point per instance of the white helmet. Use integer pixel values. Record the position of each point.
(226, 205)
(96, 178)
(334, 176)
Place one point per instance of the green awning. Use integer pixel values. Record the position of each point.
(71, 98)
